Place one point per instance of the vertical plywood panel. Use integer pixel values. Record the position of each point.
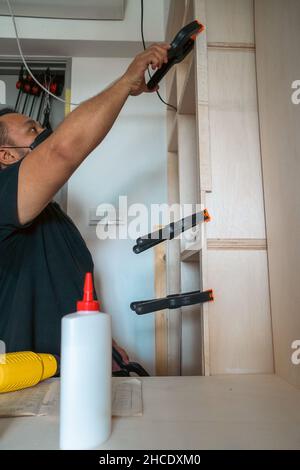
(230, 21)
(202, 111)
(173, 276)
(188, 191)
(278, 65)
(204, 285)
(161, 317)
(236, 202)
(240, 336)
(239, 318)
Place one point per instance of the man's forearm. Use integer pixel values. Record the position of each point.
(86, 126)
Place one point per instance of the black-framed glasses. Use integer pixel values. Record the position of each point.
(37, 141)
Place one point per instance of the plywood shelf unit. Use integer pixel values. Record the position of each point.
(183, 188)
(214, 159)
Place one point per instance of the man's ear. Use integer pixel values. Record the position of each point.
(8, 157)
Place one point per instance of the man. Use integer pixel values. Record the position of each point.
(43, 258)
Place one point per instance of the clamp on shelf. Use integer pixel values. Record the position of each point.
(172, 302)
(181, 46)
(173, 230)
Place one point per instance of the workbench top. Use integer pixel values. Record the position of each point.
(221, 412)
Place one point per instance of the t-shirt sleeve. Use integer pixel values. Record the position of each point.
(9, 221)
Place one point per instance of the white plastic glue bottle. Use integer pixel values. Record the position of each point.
(86, 371)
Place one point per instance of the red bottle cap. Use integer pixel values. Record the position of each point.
(88, 303)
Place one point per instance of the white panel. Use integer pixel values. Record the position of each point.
(236, 201)
(202, 115)
(239, 318)
(229, 21)
(278, 61)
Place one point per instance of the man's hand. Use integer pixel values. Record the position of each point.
(156, 55)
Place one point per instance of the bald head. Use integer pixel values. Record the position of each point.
(16, 130)
(3, 126)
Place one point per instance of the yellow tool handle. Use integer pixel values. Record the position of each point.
(24, 369)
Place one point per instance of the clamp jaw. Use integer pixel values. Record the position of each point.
(127, 367)
(171, 231)
(181, 46)
(172, 302)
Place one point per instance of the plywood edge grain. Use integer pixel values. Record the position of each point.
(161, 319)
(237, 244)
(232, 46)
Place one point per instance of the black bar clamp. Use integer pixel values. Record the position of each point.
(171, 302)
(170, 231)
(127, 367)
(181, 46)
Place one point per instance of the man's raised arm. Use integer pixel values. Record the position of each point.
(45, 170)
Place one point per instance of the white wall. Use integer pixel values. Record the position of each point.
(130, 161)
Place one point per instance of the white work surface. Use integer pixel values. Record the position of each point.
(224, 412)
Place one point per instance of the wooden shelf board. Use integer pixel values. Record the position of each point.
(192, 253)
(190, 256)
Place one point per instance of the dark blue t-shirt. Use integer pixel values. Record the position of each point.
(42, 268)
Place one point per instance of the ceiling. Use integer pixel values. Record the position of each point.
(67, 9)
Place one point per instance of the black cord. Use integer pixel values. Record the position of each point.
(144, 45)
